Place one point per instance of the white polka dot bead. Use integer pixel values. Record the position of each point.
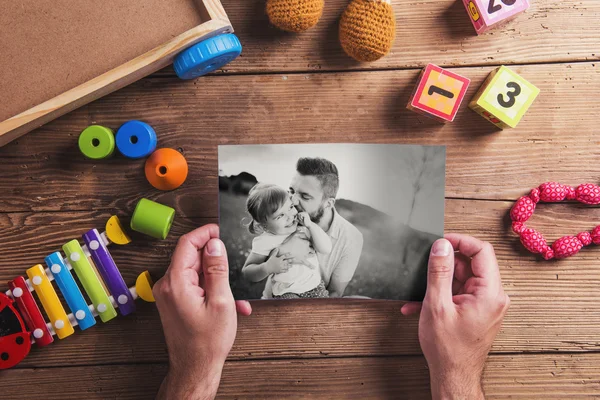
(55, 268)
(94, 245)
(37, 280)
(75, 257)
(80, 314)
(18, 292)
(122, 299)
(59, 324)
(101, 307)
(38, 333)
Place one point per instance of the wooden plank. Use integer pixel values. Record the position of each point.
(554, 141)
(549, 299)
(437, 31)
(536, 376)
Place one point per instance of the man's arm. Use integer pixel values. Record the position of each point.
(460, 316)
(346, 266)
(258, 267)
(198, 315)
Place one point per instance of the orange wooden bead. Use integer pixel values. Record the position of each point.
(166, 169)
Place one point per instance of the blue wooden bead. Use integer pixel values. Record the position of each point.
(136, 139)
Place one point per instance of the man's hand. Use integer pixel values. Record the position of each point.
(278, 264)
(460, 316)
(198, 314)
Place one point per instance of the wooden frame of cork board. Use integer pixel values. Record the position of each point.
(58, 55)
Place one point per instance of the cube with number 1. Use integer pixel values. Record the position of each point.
(438, 93)
(487, 14)
(504, 98)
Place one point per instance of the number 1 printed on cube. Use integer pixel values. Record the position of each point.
(504, 98)
(487, 14)
(438, 93)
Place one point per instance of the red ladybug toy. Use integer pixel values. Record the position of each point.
(15, 341)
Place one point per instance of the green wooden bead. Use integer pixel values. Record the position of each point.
(152, 219)
(97, 142)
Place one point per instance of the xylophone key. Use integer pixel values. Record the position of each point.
(49, 299)
(89, 280)
(109, 271)
(30, 311)
(66, 283)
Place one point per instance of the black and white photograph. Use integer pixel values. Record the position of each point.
(330, 220)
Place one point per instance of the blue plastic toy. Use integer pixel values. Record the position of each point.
(66, 283)
(136, 139)
(207, 56)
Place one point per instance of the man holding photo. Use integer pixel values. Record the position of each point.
(459, 318)
(313, 189)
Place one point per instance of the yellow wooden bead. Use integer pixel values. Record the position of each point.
(115, 232)
(143, 287)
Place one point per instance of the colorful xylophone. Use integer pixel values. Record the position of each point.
(97, 272)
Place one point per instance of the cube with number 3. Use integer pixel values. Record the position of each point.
(438, 93)
(504, 98)
(486, 14)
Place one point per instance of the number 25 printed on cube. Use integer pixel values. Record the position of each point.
(486, 14)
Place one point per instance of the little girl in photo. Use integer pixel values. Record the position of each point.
(284, 235)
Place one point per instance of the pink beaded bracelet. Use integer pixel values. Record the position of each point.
(552, 192)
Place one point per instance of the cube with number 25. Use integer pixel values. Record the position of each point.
(438, 93)
(504, 98)
(486, 14)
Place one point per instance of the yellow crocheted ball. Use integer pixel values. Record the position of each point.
(367, 29)
(294, 15)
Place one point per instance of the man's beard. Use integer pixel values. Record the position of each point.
(317, 215)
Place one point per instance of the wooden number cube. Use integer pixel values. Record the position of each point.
(486, 14)
(438, 93)
(504, 98)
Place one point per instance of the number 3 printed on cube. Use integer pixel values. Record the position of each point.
(486, 14)
(504, 98)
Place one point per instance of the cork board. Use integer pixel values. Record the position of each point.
(51, 46)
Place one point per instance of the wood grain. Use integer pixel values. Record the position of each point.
(549, 299)
(536, 376)
(436, 31)
(554, 141)
(303, 90)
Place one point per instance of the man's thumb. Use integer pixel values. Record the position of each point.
(216, 270)
(440, 273)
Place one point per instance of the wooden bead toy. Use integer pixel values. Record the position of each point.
(504, 98)
(136, 139)
(115, 232)
(166, 169)
(21, 321)
(97, 142)
(152, 219)
(438, 93)
(487, 14)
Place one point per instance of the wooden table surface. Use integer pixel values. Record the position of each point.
(302, 88)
